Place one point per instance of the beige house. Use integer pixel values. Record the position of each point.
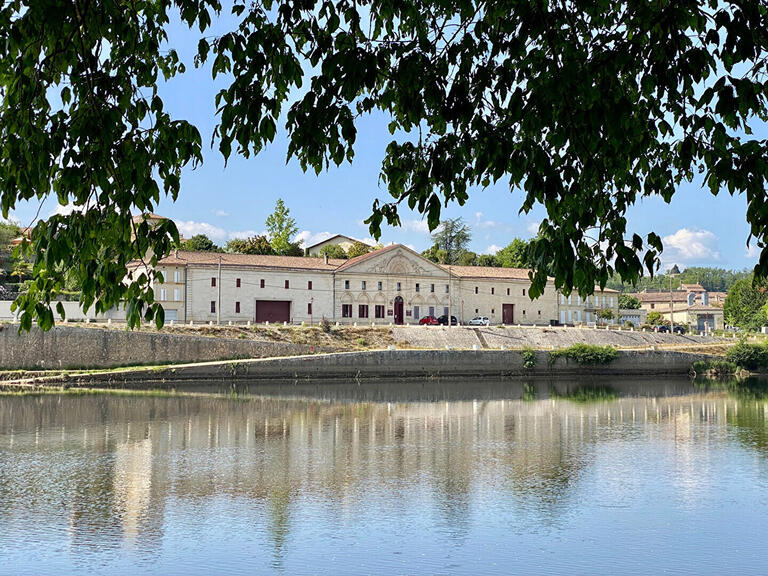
(338, 240)
(574, 309)
(699, 317)
(394, 284)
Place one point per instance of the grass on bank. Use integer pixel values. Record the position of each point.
(585, 354)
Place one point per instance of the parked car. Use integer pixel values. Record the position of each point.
(664, 328)
(479, 321)
(444, 320)
(429, 321)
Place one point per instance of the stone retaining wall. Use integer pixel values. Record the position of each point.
(386, 364)
(76, 347)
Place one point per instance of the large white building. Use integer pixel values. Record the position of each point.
(393, 284)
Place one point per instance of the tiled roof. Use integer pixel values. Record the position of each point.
(183, 258)
(337, 236)
(488, 272)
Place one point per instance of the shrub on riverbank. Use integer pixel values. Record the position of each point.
(715, 368)
(585, 354)
(529, 358)
(748, 356)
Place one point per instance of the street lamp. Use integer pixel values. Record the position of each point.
(674, 271)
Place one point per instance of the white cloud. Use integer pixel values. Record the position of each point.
(752, 251)
(420, 226)
(307, 238)
(690, 246)
(69, 208)
(191, 228)
(412, 247)
(221, 213)
(533, 228)
(492, 249)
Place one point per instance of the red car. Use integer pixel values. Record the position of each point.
(429, 321)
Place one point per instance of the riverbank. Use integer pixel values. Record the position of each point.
(70, 347)
(368, 365)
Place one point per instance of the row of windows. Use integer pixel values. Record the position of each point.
(176, 294)
(362, 311)
(607, 301)
(493, 290)
(399, 286)
(237, 308)
(262, 283)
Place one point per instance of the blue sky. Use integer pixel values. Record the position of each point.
(697, 228)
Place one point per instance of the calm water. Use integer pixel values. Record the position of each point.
(397, 479)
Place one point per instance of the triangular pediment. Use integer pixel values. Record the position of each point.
(395, 260)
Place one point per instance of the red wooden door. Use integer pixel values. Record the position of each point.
(398, 310)
(508, 313)
(272, 311)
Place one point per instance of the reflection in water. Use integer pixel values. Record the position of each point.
(120, 481)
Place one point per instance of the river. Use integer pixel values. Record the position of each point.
(409, 478)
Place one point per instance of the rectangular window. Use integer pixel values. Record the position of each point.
(309, 284)
(477, 310)
(213, 282)
(493, 290)
(261, 283)
(237, 283)
(417, 287)
(176, 276)
(287, 284)
(523, 291)
(539, 312)
(379, 311)
(346, 284)
(381, 286)
(493, 310)
(431, 287)
(363, 285)
(362, 311)
(237, 307)
(163, 294)
(309, 308)
(346, 310)
(445, 310)
(399, 286)
(447, 288)
(431, 310)
(176, 295)
(508, 292)
(213, 306)
(475, 289)
(416, 313)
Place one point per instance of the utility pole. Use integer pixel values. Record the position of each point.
(218, 295)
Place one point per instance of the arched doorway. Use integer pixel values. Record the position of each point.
(398, 310)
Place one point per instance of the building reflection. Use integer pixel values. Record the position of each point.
(112, 465)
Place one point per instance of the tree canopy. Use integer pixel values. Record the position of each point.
(629, 302)
(358, 249)
(334, 251)
(200, 243)
(282, 228)
(584, 107)
(254, 245)
(744, 304)
(452, 238)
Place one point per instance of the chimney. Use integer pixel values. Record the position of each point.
(705, 298)
(691, 298)
(325, 257)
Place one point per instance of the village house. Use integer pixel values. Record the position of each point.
(336, 240)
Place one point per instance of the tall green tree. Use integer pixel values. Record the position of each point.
(452, 237)
(200, 243)
(281, 228)
(514, 255)
(744, 303)
(581, 107)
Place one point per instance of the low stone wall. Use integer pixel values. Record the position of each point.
(497, 337)
(382, 364)
(76, 347)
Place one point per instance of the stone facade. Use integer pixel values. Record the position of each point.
(391, 285)
(574, 309)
